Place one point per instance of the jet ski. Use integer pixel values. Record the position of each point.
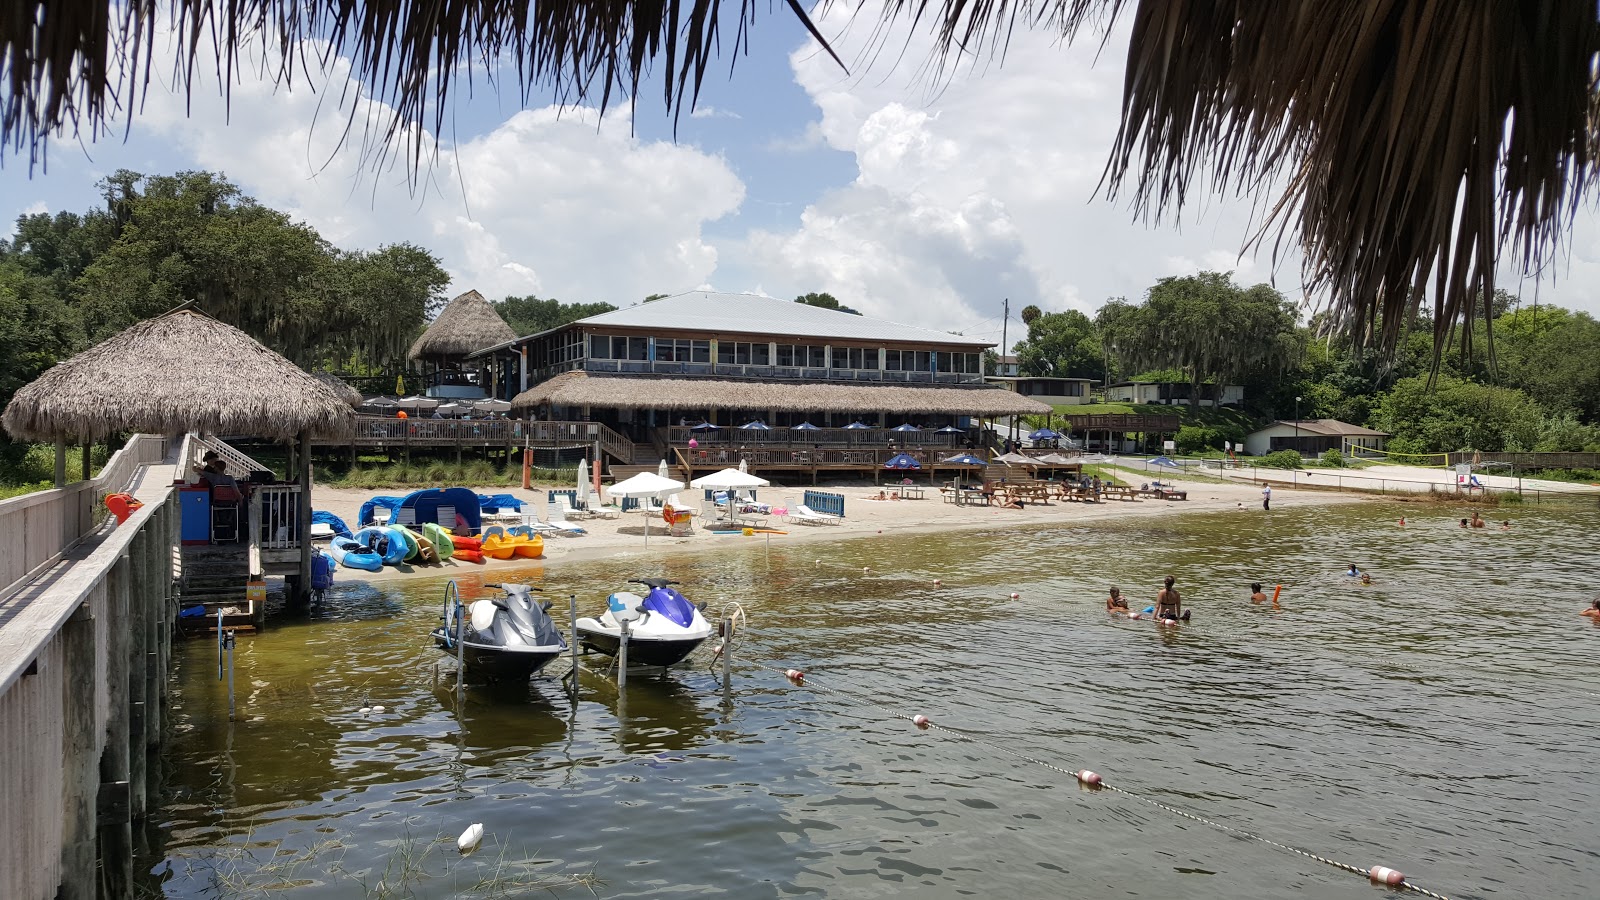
(663, 626)
(499, 639)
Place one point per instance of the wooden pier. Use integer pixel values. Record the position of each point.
(85, 644)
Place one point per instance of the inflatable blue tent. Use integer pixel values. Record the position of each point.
(425, 506)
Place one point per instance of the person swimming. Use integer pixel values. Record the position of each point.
(1463, 523)
(1353, 572)
(1116, 601)
(1593, 611)
(1169, 603)
(1256, 596)
(1365, 578)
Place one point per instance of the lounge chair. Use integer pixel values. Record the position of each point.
(802, 514)
(559, 524)
(567, 510)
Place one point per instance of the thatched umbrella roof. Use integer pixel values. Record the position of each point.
(469, 323)
(1417, 140)
(183, 371)
(622, 392)
(340, 388)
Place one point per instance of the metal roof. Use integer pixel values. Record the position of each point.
(1326, 427)
(755, 314)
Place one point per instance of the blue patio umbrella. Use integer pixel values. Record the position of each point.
(964, 459)
(703, 426)
(906, 427)
(755, 425)
(806, 426)
(1164, 461)
(856, 426)
(1045, 434)
(951, 429)
(902, 461)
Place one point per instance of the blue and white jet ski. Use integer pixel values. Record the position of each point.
(663, 626)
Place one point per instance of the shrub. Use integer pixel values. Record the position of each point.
(1281, 459)
(1332, 458)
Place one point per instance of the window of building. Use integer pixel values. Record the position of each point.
(638, 348)
(818, 357)
(891, 360)
(599, 346)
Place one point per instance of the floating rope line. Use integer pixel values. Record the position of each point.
(1379, 874)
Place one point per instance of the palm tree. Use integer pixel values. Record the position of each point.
(1418, 140)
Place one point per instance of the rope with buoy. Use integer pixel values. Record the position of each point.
(1378, 874)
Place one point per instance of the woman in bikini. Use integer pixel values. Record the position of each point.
(1169, 603)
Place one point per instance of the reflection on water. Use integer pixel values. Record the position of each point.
(1440, 720)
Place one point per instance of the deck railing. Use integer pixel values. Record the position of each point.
(36, 528)
(745, 370)
(678, 436)
(388, 431)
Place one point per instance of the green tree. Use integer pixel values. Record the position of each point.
(1063, 344)
(1457, 415)
(531, 315)
(1029, 313)
(825, 301)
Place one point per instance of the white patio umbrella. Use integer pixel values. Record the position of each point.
(417, 403)
(583, 482)
(492, 405)
(744, 465)
(452, 409)
(662, 469)
(645, 484)
(729, 480)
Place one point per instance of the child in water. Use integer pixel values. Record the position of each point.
(1116, 602)
(1365, 578)
(1593, 611)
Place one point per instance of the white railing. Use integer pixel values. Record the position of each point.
(273, 516)
(37, 528)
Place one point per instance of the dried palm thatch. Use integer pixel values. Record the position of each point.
(340, 388)
(468, 323)
(622, 392)
(183, 371)
(1418, 139)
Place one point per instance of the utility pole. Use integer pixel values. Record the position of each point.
(1005, 320)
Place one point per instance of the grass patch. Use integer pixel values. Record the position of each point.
(433, 473)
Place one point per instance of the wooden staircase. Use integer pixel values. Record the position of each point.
(215, 576)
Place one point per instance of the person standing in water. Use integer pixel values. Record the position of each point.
(1169, 603)
(1116, 602)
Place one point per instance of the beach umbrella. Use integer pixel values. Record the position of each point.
(902, 461)
(1045, 434)
(951, 429)
(1055, 459)
(755, 425)
(744, 465)
(662, 469)
(906, 427)
(416, 403)
(383, 404)
(806, 426)
(729, 479)
(492, 405)
(1164, 461)
(452, 409)
(583, 482)
(645, 484)
(1016, 459)
(703, 426)
(964, 459)
(856, 426)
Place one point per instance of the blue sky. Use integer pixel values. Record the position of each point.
(915, 198)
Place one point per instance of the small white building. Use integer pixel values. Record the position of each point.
(1046, 389)
(1007, 367)
(1171, 393)
(1312, 437)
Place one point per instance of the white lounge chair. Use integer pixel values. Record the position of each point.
(801, 514)
(567, 510)
(558, 524)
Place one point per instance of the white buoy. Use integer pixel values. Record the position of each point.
(1015, 595)
(471, 838)
(377, 709)
(364, 710)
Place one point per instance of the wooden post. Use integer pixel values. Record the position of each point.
(303, 517)
(61, 462)
(116, 831)
(88, 467)
(79, 782)
(138, 716)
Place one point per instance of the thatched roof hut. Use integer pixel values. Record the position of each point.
(469, 323)
(622, 392)
(183, 371)
(340, 388)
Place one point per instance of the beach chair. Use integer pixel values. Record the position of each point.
(566, 509)
(380, 515)
(447, 517)
(405, 516)
(802, 514)
(559, 523)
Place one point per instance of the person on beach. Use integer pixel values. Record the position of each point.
(1169, 603)
(1116, 602)
(1593, 611)
(1266, 496)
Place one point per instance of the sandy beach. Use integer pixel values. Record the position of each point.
(624, 535)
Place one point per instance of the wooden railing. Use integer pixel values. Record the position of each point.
(36, 528)
(703, 458)
(678, 436)
(388, 431)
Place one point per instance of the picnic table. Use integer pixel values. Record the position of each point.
(1119, 492)
(910, 492)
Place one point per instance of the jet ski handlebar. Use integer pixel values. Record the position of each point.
(652, 582)
(527, 587)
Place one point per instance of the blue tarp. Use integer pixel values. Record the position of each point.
(318, 517)
(426, 505)
(498, 503)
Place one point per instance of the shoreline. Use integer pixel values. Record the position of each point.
(623, 537)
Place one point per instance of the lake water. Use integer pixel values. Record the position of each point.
(1441, 721)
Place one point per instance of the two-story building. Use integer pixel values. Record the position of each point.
(728, 359)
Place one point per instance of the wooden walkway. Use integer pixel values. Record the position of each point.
(85, 646)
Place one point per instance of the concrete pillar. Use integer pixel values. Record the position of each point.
(116, 830)
(138, 714)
